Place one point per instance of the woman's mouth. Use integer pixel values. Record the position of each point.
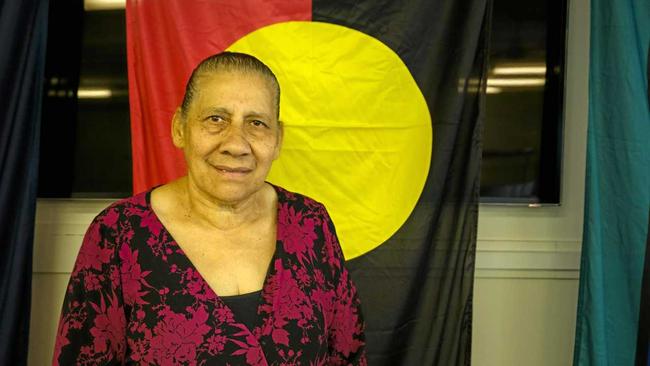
(232, 170)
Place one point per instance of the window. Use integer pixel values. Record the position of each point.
(85, 143)
(524, 104)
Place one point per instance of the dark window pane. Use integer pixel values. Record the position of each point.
(86, 149)
(524, 102)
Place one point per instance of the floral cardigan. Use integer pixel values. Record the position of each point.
(134, 297)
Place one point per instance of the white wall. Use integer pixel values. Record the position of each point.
(527, 264)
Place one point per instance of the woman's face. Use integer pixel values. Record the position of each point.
(230, 134)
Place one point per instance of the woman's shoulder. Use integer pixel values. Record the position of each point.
(305, 227)
(124, 209)
(299, 201)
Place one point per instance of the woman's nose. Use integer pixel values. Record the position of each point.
(234, 141)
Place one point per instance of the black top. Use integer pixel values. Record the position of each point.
(244, 307)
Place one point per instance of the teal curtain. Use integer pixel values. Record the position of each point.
(617, 184)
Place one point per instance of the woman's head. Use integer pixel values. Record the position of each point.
(228, 126)
(229, 61)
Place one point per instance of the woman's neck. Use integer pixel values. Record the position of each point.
(224, 216)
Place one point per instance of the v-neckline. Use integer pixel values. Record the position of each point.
(189, 264)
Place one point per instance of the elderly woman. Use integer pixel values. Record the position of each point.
(218, 267)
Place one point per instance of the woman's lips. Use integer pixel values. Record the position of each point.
(232, 171)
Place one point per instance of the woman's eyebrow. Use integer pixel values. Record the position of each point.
(219, 110)
(253, 114)
(227, 112)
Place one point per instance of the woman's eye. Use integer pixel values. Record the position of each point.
(258, 123)
(216, 118)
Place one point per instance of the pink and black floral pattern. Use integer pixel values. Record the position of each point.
(135, 298)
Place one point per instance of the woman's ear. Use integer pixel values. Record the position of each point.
(278, 144)
(178, 129)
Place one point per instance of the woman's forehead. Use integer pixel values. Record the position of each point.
(225, 76)
(237, 81)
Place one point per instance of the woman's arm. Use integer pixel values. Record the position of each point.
(92, 325)
(347, 339)
(346, 333)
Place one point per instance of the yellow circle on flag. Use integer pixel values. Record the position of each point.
(357, 128)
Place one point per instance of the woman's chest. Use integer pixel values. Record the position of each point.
(230, 263)
(172, 304)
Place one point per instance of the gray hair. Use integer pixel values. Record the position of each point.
(229, 61)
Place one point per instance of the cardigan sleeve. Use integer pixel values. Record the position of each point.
(92, 325)
(347, 344)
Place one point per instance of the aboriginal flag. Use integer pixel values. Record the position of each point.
(381, 102)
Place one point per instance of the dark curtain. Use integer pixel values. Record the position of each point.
(23, 32)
